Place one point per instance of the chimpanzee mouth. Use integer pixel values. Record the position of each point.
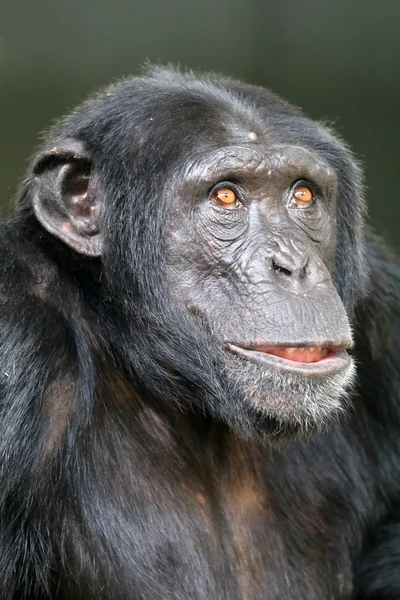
(307, 359)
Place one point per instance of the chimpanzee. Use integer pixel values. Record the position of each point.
(199, 357)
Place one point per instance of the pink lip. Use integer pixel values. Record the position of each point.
(302, 354)
(303, 359)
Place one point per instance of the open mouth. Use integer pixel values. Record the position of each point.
(310, 358)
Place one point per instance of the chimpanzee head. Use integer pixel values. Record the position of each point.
(225, 232)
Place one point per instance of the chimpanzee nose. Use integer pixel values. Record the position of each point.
(288, 268)
(296, 270)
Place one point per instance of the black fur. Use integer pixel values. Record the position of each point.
(121, 474)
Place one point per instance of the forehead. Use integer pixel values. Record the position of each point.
(212, 118)
(215, 117)
(218, 128)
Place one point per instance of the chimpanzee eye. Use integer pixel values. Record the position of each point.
(301, 196)
(226, 198)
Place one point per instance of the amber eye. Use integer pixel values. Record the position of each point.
(302, 197)
(225, 197)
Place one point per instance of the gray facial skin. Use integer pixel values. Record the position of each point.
(258, 275)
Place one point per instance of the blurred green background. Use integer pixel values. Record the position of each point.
(337, 60)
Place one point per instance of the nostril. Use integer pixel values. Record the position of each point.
(279, 269)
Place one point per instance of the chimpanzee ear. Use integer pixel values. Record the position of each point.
(65, 197)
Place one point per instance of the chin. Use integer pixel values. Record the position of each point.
(283, 400)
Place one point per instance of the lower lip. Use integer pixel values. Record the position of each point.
(334, 362)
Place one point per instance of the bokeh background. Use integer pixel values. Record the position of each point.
(338, 60)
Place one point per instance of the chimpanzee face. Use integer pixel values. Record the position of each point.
(251, 245)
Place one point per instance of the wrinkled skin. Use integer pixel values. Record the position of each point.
(259, 274)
